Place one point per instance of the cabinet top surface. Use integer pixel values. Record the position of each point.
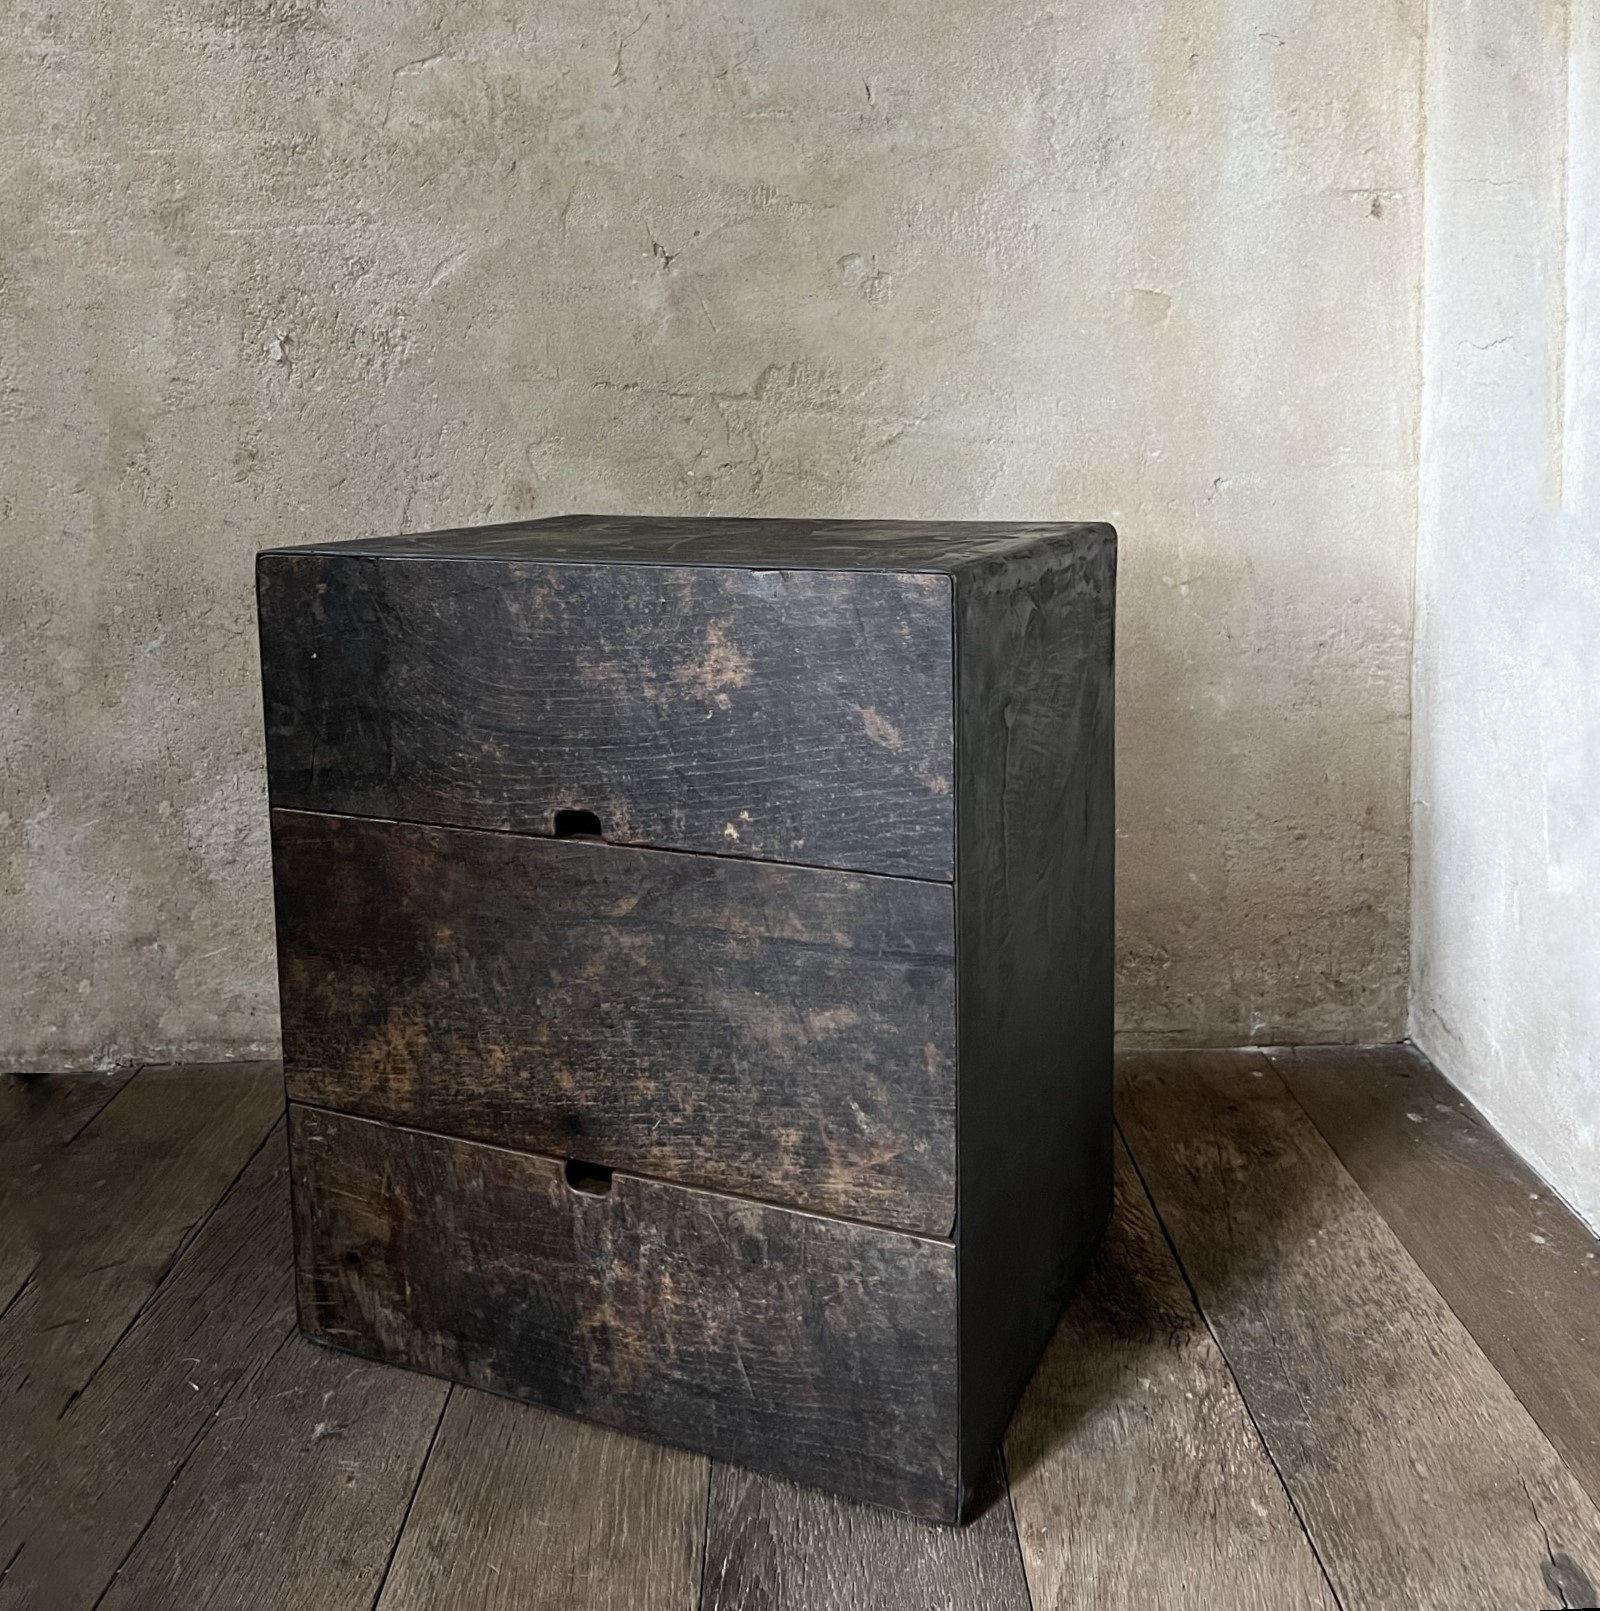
(875, 545)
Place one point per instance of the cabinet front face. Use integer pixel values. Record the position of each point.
(791, 716)
(617, 902)
(786, 1033)
(812, 1348)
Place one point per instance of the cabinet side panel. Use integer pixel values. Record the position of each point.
(1034, 915)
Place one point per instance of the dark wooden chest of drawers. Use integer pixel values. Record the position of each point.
(695, 950)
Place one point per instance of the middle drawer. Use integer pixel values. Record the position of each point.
(786, 1033)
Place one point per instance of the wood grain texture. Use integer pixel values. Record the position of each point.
(820, 693)
(1034, 724)
(1137, 1477)
(39, 1115)
(103, 1225)
(71, 1511)
(1423, 1481)
(1520, 1271)
(296, 1496)
(798, 716)
(771, 1546)
(524, 1510)
(784, 1033)
(1424, 1484)
(831, 545)
(812, 1348)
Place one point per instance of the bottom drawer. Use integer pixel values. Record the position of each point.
(817, 1349)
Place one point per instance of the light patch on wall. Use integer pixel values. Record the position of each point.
(227, 829)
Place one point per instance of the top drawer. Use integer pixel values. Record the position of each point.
(784, 715)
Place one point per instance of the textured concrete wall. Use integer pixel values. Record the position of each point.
(282, 270)
(1507, 819)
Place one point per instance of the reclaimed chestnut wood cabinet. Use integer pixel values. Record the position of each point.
(695, 951)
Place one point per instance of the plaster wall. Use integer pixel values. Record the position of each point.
(1506, 947)
(286, 270)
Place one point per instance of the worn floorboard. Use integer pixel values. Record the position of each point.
(524, 1510)
(39, 1115)
(296, 1495)
(187, 1448)
(1520, 1269)
(103, 1224)
(1421, 1478)
(71, 1511)
(771, 1546)
(1137, 1477)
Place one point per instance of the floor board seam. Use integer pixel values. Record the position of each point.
(1233, 1375)
(416, 1488)
(174, 1258)
(204, 1431)
(1016, 1526)
(244, 1398)
(705, 1540)
(22, 1290)
(1422, 1270)
(138, 1068)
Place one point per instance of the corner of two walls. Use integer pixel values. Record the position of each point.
(1506, 734)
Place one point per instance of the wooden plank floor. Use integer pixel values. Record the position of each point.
(1341, 1352)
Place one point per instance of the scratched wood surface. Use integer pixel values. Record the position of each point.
(797, 716)
(103, 1226)
(215, 1461)
(39, 1116)
(296, 1495)
(1137, 1476)
(816, 1349)
(700, 694)
(772, 1546)
(786, 1033)
(1520, 1272)
(524, 1510)
(1423, 1480)
(73, 1507)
